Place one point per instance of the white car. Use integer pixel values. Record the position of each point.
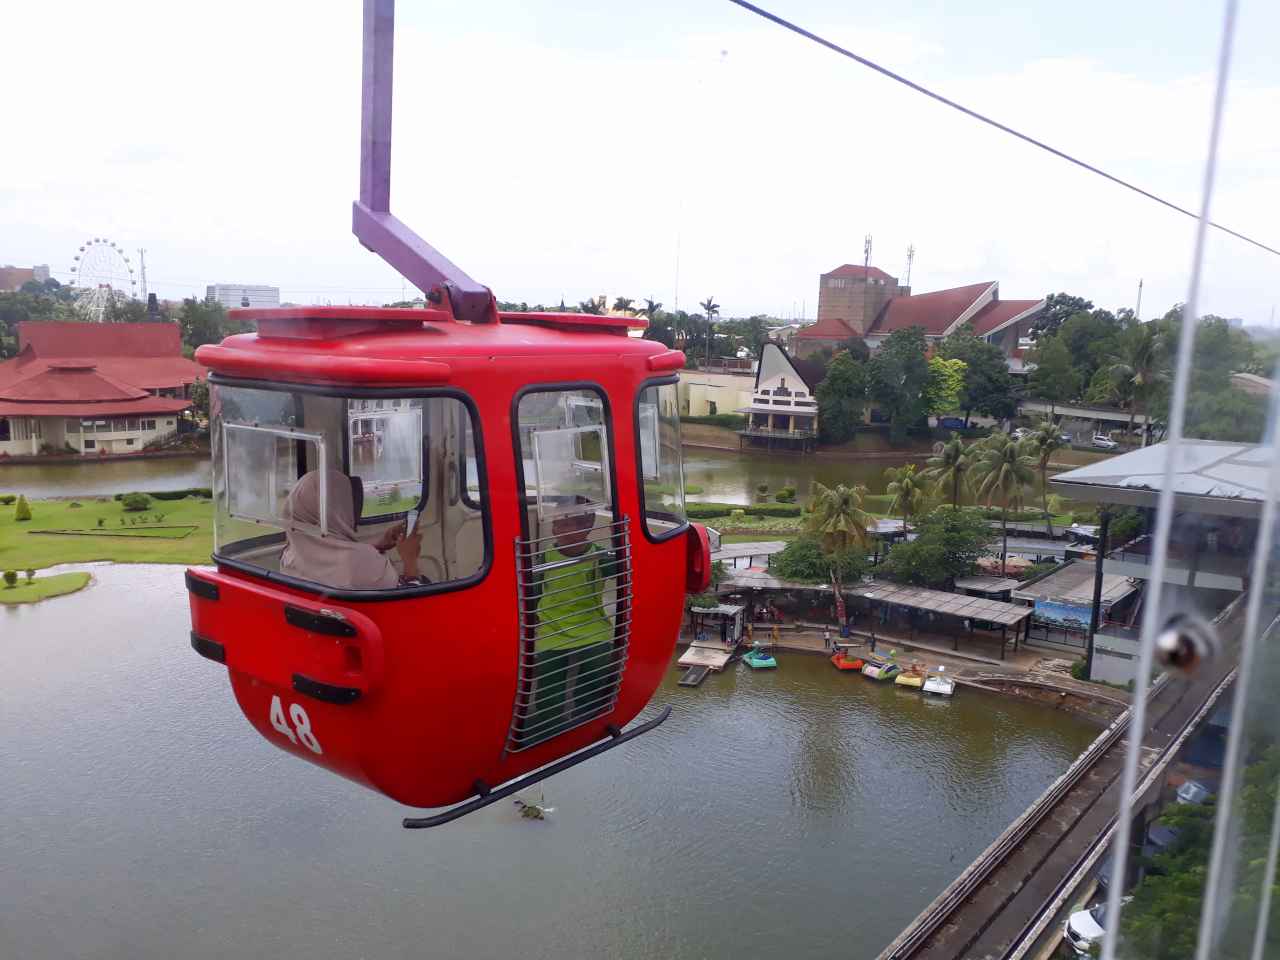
(1085, 928)
(1103, 442)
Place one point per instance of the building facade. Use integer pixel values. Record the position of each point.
(783, 413)
(867, 303)
(235, 295)
(93, 389)
(12, 278)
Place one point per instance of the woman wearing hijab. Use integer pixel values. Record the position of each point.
(339, 559)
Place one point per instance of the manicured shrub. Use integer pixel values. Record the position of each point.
(762, 489)
(204, 492)
(10, 579)
(786, 495)
(23, 510)
(118, 496)
(707, 511)
(1077, 670)
(774, 510)
(75, 505)
(31, 575)
(8, 498)
(134, 502)
(730, 421)
(101, 521)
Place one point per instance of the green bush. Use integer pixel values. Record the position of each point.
(730, 421)
(75, 505)
(1077, 670)
(23, 510)
(7, 498)
(101, 521)
(707, 511)
(786, 495)
(135, 502)
(118, 496)
(774, 510)
(31, 575)
(204, 492)
(10, 579)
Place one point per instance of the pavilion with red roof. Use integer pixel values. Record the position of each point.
(93, 388)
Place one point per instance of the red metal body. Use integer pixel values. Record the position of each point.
(437, 674)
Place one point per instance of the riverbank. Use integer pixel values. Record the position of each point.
(89, 529)
(42, 587)
(78, 459)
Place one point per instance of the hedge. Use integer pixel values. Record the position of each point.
(205, 492)
(707, 511)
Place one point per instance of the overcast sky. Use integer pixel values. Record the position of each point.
(572, 148)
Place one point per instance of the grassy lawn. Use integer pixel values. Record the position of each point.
(42, 588)
(184, 535)
(756, 537)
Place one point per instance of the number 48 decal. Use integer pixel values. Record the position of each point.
(300, 720)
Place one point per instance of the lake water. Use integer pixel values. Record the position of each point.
(96, 479)
(799, 813)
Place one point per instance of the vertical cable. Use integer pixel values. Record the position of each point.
(1164, 510)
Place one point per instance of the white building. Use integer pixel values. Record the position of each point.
(232, 295)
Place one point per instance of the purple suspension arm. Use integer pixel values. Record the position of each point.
(371, 220)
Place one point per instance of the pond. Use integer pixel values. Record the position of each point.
(794, 813)
(89, 478)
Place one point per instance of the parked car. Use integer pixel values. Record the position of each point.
(1066, 438)
(1103, 442)
(1020, 433)
(951, 423)
(1193, 791)
(1084, 928)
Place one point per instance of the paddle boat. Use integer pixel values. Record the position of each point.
(880, 669)
(939, 684)
(757, 659)
(912, 677)
(842, 661)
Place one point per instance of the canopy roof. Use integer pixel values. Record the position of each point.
(1210, 476)
(949, 604)
(1073, 583)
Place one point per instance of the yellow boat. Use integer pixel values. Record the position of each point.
(912, 677)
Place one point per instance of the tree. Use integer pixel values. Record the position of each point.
(202, 321)
(1054, 377)
(842, 397)
(988, 387)
(943, 385)
(1137, 367)
(1002, 473)
(200, 398)
(835, 515)
(1042, 443)
(948, 468)
(896, 378)
(1057, 308)
(908, 491)
(125, 310)
(651, 309)
(712, 310)
(948, 542)
(23, 510)
(623, 304)
(1090, 338)
(804, 560)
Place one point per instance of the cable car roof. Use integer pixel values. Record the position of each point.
(374, 346)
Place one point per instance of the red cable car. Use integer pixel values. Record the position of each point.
(450, 543)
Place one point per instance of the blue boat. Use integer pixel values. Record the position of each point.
(757, 659)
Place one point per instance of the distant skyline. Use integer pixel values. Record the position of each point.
(570, 149)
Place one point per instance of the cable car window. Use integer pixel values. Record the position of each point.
(574, 568)
(345, 493)
(661, 464)
(384, 449)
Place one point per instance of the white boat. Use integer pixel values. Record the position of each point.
(939, 684)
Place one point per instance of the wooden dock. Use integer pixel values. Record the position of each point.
(712, 655)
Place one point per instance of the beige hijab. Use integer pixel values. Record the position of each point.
(337, 559)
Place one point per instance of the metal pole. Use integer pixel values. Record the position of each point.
(1095, 613)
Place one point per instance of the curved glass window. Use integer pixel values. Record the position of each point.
(661, 464)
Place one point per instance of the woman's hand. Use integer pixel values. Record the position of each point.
(409, 547)
(390, 538)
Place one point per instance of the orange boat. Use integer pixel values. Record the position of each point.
(841, 662)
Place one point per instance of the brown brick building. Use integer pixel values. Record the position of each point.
(856, 295)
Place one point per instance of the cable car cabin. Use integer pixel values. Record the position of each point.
(447, 553)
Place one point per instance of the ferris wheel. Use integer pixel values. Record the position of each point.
(102, 274)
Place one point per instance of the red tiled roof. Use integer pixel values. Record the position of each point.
(934, 311)
(74, 369)
(853, 270)
(68, 381)
(831, 328)
(60, 339)
(123, 408)
(995, 315)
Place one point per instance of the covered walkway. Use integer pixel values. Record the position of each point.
(928, 610)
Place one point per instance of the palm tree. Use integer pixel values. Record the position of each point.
(1003, 472)
(1139, 366)
(949, 466)
(651, 309)
(1042, 443)
(622, 304)
(907, 489)
(592, 306)
(711, 309)
(836, 515)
